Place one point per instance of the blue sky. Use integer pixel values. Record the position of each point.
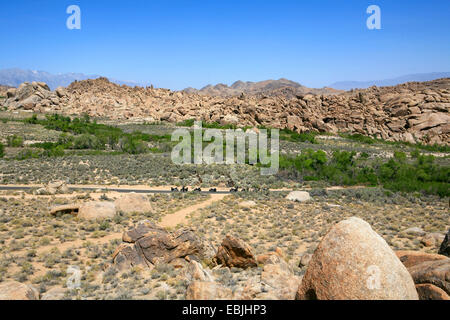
(176, 44)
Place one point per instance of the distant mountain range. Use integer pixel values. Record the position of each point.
(420, 77)
(14, 77)
(282, 86)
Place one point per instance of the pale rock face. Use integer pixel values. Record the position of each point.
(247, 204)
(416, 231)
(205, 290)
(97, 210)
(56, 293)
(352, 262)
(298, 196)
(133, 203)
(13, 290)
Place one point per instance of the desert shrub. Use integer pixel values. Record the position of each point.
(132, 145)
(15, 141)
(88, 141)
(2, 150)
(57, 151)
(292, 136)
(186, 123)
(28, 154)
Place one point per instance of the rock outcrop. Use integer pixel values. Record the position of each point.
(234, 252)
(352, 262)
(412, 112)
(147, 244)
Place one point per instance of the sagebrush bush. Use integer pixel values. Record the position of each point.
(15, 141)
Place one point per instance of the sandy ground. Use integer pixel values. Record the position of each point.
(179, 217)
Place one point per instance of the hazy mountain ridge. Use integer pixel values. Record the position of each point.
(261, 87)
(14, 77)
(418, 77)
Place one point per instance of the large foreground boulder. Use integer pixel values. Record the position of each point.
(234, 252)
(352, 262)
(148, 244)
(133, 203)
(13, 290)
(97, 210)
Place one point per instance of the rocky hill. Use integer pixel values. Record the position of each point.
(14, 77)
(413, 112)
(3, 90)
(262, 87)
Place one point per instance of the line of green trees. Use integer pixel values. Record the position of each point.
(84, 134)
(418, 173)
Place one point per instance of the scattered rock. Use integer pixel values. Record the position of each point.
(58, 187)
(432, 239)
(298, 196)
(13, 290)
(133, 203)
(234, 252)
(97, 210)
(352, 262)
(415, 231)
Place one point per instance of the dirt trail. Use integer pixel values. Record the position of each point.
(168, 221)
(179, 217)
